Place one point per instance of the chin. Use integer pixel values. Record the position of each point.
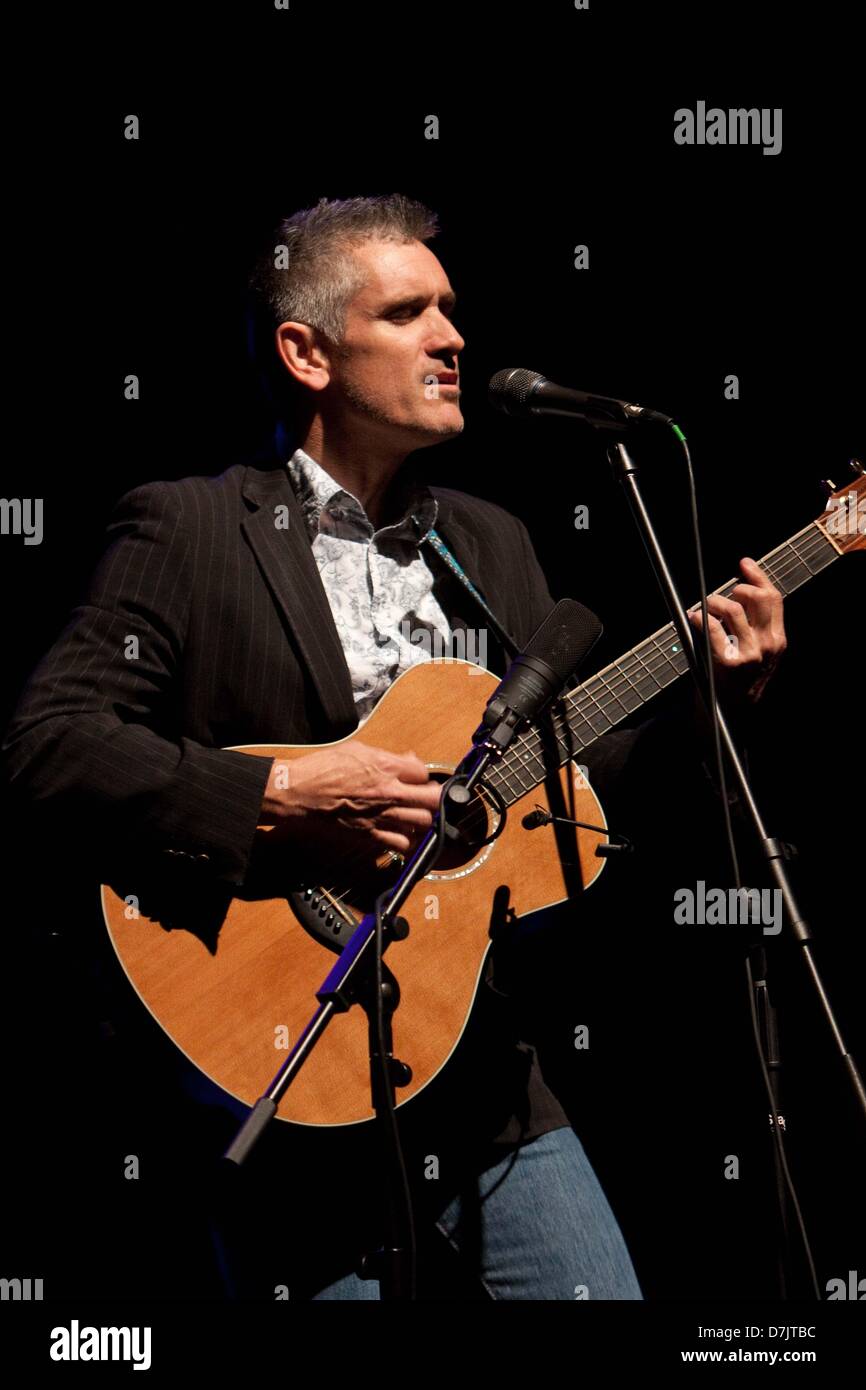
(434, 430)
(446, 430)
(448, 420)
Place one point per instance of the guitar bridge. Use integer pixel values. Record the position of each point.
(324, 916)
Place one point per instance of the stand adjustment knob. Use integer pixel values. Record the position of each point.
(401, 1072)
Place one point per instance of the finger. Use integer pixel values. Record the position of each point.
(767, 598)
(755, 575)
(764, 605)
(696, 618)
(392, 840)
(720, 645)
(398, 817)
(408, 767)
(759, 608)
(734, 618)
(761, 599)
(400, 793)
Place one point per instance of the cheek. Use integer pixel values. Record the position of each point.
(394, 368)
(390, 375)
(401, 378)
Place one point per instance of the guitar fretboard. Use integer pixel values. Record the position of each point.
(592, 709)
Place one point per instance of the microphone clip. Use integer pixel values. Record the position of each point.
(539, 816)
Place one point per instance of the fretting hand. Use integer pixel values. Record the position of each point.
(747, 634)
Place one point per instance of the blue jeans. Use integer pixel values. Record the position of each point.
(536, 1226)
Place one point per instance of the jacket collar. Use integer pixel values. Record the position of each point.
(318, 494)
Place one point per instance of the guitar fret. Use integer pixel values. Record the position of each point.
(605, 720)
(527, 786)
(819, 557)
(584, 731)
(668, 667)
(643, 677)
(616, 700)
(794, 567)
(799, 570)
(630, 695)
(508, 775)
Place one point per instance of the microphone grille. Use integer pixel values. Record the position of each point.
(565, 637)
(510, 389)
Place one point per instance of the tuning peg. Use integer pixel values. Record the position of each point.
(856, 467)
(828, 485)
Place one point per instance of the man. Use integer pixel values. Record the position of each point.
(252, 630)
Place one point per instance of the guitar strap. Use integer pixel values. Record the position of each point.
(435, 540)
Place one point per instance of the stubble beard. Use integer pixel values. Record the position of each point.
(371, 407)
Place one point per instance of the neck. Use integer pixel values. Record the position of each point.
(366, 467)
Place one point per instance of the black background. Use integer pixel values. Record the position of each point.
(556, 129)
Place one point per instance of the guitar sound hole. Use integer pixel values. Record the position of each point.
(468, 827)
(328, 911)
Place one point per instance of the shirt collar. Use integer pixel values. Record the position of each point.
(320, 497)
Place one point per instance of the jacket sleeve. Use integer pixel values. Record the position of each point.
(94, 743)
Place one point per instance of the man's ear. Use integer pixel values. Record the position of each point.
(303, 355)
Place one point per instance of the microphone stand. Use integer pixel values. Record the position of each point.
(773, 850)
(352, 981)
(531, 681)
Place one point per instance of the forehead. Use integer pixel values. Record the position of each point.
(396, 268)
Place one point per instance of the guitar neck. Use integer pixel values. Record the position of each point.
(600, 703)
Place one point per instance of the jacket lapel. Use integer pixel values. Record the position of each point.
(460, 541)
(464, 546)
(279, 541)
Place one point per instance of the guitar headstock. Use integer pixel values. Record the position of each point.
(844, 517)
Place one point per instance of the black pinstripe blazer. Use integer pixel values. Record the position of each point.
(206, 624)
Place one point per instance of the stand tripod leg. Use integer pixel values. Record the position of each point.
(393, 1263)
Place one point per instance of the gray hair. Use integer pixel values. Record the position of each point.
(309, 275)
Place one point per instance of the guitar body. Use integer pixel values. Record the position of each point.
(234, 1002)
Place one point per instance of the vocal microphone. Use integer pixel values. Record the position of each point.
(519, 392)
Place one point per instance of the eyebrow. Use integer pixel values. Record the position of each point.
(413, 300)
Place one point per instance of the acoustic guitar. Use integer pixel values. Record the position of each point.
(232, 999)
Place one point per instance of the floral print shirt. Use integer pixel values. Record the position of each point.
(378, 583)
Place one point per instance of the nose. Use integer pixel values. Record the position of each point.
(457, 342)
(453, 342)
(446, 352)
